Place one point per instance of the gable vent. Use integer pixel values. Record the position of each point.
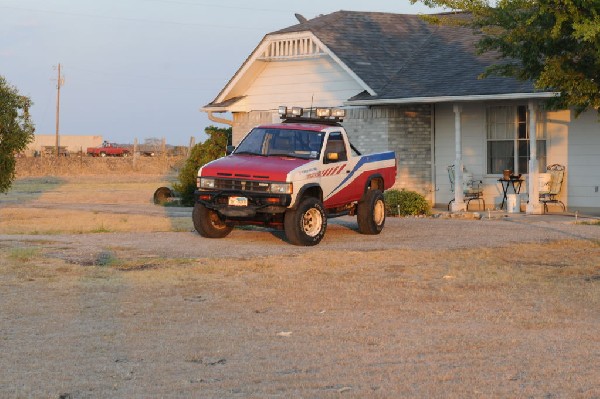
(292, 49)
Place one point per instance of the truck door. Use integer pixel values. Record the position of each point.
(336, 169)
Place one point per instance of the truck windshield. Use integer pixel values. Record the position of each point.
(282, 142)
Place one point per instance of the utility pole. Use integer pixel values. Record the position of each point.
(59, 82)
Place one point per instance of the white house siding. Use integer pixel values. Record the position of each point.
(315, 81)
(558, 134)
(243, 122)
(583, 168)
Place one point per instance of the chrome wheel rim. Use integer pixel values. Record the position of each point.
(379, 213)
(312, 220)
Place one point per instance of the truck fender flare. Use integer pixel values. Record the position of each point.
(312, 188)
(376, 176)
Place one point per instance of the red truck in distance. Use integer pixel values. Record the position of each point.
(108, 150)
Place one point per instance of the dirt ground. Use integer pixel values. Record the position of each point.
(105, 294)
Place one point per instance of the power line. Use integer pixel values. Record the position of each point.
(128, 19)
(282, 11)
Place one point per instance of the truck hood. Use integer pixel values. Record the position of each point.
(252, 167)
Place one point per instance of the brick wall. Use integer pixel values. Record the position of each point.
(404, 129)
(244, 122)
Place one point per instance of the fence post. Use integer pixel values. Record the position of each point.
(135, 153)
(192, 144)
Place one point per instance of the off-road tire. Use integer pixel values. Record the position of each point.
(208, 223)
(306, 224)
(371, 213)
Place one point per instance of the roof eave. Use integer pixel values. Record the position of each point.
(444, 99)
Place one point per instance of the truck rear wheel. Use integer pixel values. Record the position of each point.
(371, 213)
(208, 223)
(306, 224)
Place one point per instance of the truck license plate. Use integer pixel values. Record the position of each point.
(238, 201)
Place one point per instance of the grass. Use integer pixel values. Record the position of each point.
(87, 204)
(387, 323)
(25, 254)
(589, 223)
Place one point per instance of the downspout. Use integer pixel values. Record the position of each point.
(216, 119)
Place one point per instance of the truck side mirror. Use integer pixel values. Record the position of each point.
(229, 149)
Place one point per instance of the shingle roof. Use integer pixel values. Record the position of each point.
(403, 56)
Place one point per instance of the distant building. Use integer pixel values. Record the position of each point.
(46, 143)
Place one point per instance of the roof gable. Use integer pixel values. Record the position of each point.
(287, 46)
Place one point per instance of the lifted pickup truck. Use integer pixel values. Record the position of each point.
(292, 176)
(108, 150)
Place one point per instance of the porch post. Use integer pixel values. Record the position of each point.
(459, 201)
(533, 206)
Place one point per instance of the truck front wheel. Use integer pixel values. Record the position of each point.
(208, 223)
(306, 224)
(371, 213)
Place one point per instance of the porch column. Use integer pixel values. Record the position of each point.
(459, 201)
(533, 206)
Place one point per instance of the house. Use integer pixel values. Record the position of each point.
(414, 87)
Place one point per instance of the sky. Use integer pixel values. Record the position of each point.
(141, 68)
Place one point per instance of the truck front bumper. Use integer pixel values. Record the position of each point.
(265, 203)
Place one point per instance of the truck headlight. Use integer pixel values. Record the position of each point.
(205, 182)
(281, 188)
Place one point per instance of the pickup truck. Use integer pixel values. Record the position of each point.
(108, 149)
(293, 176)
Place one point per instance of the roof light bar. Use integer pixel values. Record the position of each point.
(338, 113)
(323, 112)
(335, 114)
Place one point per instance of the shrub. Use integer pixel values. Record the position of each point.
(405, 203)
(201, 154)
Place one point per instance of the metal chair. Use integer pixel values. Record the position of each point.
(472, 189)
(548, 195)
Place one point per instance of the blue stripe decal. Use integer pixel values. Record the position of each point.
(383, 156)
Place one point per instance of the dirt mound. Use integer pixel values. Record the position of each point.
(73, 166)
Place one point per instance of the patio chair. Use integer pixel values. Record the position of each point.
(548, 195)
(472, 189)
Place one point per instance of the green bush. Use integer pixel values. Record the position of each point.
(405, 203)
(200, 155)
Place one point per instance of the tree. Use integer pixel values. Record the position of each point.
(554, 43)
(212, 148)
(16, 130)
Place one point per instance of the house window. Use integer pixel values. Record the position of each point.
(508, 140)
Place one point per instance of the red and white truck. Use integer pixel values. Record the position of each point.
(293, 176)
(108, 150)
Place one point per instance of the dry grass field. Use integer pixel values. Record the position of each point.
(105, 294)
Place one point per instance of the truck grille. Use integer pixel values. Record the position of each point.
(241, 185)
